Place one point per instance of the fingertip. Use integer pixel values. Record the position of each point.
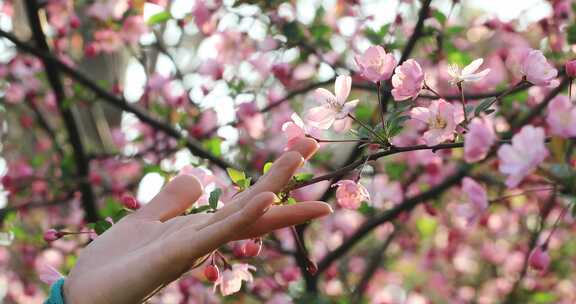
(305, 146)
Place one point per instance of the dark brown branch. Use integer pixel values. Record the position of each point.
(82, 162)
(120, 103)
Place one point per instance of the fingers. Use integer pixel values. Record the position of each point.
(276, 178)
(284, 216)
(197, 242)
(177, 196)
(283, 168)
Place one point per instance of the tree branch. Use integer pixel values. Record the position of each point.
(82, 163)
(120, 103)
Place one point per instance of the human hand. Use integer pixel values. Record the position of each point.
(154, 245)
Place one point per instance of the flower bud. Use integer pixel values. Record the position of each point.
(51, 235)
(539, 259)
(571, 68)
(251, 248)
(129, 202)
(212, 273)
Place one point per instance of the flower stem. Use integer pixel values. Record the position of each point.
(463, 99)
(320, 140)
(427, 87)
(383, 141)
(380, 104)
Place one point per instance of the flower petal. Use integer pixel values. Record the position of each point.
(342, 88)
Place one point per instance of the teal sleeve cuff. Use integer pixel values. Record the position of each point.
(56, 293)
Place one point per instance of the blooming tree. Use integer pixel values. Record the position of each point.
(446, 143)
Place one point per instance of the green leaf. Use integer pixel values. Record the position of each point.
(213, 145)
(438, 15)
(395, 170)
(199, 209)
(235, 175)
(292, 32)
(244, 183)
(426, 226)
(366, 209)
(159, 18)
(101, 226)
(214, 197)
(119, 215)
(543, 297)
(571, 34)
(484, 106)
(303, 177)
(267, 167)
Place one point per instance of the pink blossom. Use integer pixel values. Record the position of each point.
(334, 109)
(478, 140)
(407, 80)
(539, 259)
(384, 190)
(561, 117)
(251, 119)
(537, 69)
(441, 118)
(212, 68)
(350, 194)
(108, 41)
(571, 68)
(231, 279)
(467, 74)
(375, 65)
(107, 9)
(132, 28)
(525, 153)
(15, 93)
(477, 199)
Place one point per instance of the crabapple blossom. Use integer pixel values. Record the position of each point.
(350, 194)
(561, 117)
(375, 65)
(479, 139)
(230, 280)
(334, 108)
(408, 80)
(441, 118)
(477, 199)
(526, 152)
(468, 73)
(536, 68)
(133, 28)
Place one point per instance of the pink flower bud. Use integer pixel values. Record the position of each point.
(212, 273)
(539, 259)
(91, 50)
(571, 68)
(51, 235)
(252, 248)
(129, 201)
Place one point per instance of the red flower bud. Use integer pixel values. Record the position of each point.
(51, 235)
(91, 50)
(212, 273)
(571, 68)
(251, 248)
(74, 22)
(539, 259)
(129, 201)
